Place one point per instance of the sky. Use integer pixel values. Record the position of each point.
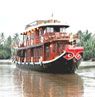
(15, 14)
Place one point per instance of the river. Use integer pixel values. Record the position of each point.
(15, 82)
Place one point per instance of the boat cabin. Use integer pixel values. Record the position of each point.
(44, 40)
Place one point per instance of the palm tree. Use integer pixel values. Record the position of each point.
(87, 40)
(15, 43)
(16, 40)
(2, 38)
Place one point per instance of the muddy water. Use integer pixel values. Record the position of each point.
(20, 83)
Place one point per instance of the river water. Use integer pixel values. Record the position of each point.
(15, 82)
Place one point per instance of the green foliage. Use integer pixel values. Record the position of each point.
(87, 40)
(8, 42)
(5, 53)
(6, 49)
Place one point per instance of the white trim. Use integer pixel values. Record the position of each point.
(26, 63)
(18, 62)
(46, 24)
(23, 63)
(32, 63)
(55, 58)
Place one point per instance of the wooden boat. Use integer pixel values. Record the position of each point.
(47, 47)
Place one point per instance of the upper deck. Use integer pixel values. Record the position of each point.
(43, 31)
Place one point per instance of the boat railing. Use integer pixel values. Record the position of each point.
(56, 36)
(48, 37)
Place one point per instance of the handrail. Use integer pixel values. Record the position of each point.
(48, 37)
(56, 35)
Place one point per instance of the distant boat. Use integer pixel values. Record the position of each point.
(47, 47)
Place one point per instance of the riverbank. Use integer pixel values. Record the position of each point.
(9, 61)
(87, 64)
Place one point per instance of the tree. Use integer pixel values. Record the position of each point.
(8, 42)
(2, 38)
(87, 40)
(16, 40)
(15, 43)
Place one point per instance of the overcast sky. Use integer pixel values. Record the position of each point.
(15, 14)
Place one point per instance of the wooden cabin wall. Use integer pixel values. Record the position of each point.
(38, 51)
(47, 52)
(37, 38)
(53, 49)
(28, 55)
(20, 55)
(50, 51)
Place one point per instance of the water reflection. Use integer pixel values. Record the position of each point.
(89, 87)
(34, 84)
(20, 83)
(88, 76)
(6, 81)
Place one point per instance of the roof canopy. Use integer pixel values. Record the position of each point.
(44, 23)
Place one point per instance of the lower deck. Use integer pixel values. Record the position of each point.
(44, 52)
(57, 65)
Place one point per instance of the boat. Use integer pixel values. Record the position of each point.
(47, 47)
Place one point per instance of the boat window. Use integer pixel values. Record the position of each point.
(40, 33)
(37, 52)
(62, 29)
(56, 29)
(32, 36)
(49, 29)
(21, 53)
(28, 37)
(47, 51)
(32, 52)
(25, 37)
(40, 30)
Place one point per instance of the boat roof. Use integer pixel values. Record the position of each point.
(45, 23)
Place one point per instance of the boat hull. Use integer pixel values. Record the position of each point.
(57, 65)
